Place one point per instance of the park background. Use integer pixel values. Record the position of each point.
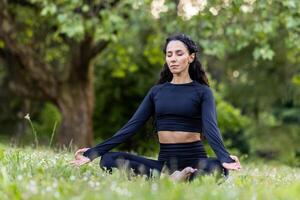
(86, 65)
(80, 68)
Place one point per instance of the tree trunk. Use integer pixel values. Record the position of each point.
(76, 101)
(70, 89)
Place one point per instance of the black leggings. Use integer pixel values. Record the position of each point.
(171, 157)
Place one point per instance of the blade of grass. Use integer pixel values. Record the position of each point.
(52, 135)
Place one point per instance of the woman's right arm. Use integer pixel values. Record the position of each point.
(210, 126)
(142, 114)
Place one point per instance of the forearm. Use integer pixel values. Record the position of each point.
(105, 146)
(144, 111)
(218, 147)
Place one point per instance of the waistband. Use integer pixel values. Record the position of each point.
(182, 151)
(184, 144)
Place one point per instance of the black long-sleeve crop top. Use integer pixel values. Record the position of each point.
(177, 107)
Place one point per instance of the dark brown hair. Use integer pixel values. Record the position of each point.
(196, 71)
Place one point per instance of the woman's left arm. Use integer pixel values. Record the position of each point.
(212, 133)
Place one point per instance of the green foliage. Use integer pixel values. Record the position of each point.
(265, 53)
(77, 18)
(229, 117)
(2, 44)
(45, 123)
(276, 142)
(296, 79)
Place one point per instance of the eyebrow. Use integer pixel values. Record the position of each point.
(178, 50)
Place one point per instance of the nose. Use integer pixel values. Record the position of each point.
(173, 58)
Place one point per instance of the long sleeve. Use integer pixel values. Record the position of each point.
(142, 114)
(210, 127)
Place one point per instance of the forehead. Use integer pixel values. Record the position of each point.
(175, 45)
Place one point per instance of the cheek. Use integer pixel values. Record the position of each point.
(183, 60)
(167, 60)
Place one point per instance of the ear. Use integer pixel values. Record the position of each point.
(191, 57)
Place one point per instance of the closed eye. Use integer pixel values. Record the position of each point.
(178, 52)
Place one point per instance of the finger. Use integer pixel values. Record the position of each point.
(237, 162)
(230, 166)
(233, 168)
(81, 162)
(237, 166)
(81, 151)
(78, 151)
(78, 157)
(74, 162)
(84, 150)
(235, 158)
(76, 154)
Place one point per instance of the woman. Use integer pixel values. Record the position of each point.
(183, 107)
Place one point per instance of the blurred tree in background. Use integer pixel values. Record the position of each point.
(61, 52)
(48, 48)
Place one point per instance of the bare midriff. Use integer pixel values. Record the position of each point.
(178, 136)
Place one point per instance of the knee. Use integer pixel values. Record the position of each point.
(214, 166)
(211, 166)
(106, 162)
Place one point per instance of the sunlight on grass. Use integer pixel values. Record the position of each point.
(27, 173)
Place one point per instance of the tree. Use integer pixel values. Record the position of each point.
(49, 46)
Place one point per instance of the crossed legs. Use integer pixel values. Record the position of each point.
(144, 166)
(139, 165)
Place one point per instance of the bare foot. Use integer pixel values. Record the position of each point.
(183, 174)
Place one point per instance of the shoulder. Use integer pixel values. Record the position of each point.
(203, 90)
(156, 88)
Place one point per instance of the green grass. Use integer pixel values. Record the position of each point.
(27, 173)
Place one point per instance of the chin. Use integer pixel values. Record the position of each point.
(176, 71)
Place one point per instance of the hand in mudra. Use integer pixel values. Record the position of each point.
(79, 158)
(233, 166)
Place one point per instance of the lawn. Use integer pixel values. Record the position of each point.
(28, 173)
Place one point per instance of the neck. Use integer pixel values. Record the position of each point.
(181, 79)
